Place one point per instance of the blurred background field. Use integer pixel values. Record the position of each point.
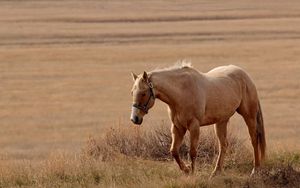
(65, 65)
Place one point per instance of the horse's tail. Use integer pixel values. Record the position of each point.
(260, 130)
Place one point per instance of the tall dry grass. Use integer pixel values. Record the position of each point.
(65, 73)
(154, 144)
(139, 157)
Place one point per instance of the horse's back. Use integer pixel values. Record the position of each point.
(234, 73)
(227, 70)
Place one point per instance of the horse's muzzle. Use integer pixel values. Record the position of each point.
(136, 120)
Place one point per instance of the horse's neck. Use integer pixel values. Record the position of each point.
(164, 87)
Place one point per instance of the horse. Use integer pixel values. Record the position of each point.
(197, 99)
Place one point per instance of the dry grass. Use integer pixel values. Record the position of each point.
(125, 158)
(64, 91)
(65, 76)
(154, 144)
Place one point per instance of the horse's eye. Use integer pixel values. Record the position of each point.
(143, 94)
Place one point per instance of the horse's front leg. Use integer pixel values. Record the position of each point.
(177, 137)
(194, 140)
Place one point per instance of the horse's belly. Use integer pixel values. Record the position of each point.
(219, 112)
(209, 119)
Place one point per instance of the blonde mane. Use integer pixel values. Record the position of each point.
(178, 65)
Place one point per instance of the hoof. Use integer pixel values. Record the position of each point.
(255, 172)
(186, 170)
(215, 173)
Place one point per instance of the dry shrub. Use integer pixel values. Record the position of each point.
(280, 170)
(278, 176)
(133, 142)
(154, 144)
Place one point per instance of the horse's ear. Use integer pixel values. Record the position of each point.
(134, 76)
(145, 76)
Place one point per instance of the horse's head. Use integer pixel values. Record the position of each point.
(143, 97)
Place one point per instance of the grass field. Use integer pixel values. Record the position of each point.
(65, 75)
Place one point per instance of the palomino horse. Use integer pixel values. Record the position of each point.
(198, 99)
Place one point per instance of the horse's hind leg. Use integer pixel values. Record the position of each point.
(251, 123)
(177, 137)
(221, 132)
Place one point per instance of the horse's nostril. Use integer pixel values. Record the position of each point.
(132, 120)
(135, 119)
